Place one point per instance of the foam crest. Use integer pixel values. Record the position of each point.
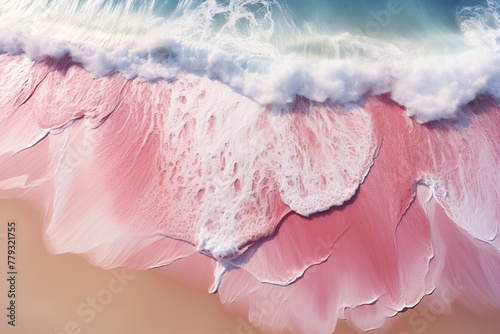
(257, 48)
(323, 155)
(222, 170)
(230, 166)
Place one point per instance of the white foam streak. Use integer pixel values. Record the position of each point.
(136, 43)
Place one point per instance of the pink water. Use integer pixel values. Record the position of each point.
(299, 215)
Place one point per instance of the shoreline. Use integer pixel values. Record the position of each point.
(65, 294)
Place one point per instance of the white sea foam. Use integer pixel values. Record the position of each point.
(261, 60)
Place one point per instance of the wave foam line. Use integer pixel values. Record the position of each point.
(432, 85)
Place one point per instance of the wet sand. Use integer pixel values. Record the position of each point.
(58, 294)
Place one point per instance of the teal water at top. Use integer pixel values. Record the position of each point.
(404, 16)
(253, 26)
(373, 18)
(301, 26)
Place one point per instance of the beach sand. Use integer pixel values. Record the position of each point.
(65, 294)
